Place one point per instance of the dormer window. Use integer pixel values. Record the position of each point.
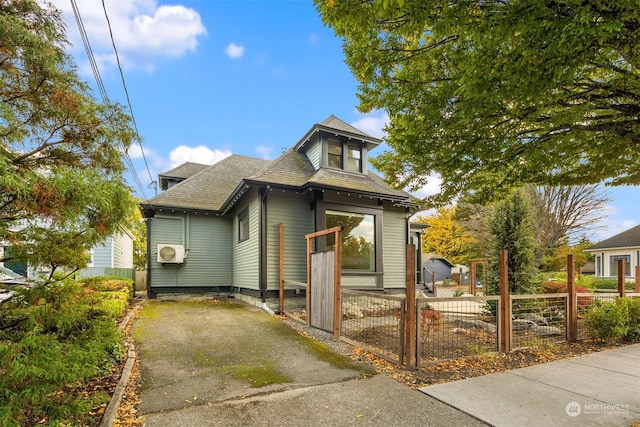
(336, 155)
(334, 151)
(354, 157)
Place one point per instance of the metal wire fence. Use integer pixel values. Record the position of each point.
(456, 327)
(374, 322)
(538, 320)
(585, 300)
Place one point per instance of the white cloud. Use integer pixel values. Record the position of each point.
(433, 186)
(234, 51)
(199, 154)
(373, 123)
(265, 152)
(144, 31)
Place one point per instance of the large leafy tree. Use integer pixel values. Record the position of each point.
(61, 183)
(492, 94)
(446, 236)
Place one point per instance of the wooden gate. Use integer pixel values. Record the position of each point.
(322, 287)
(323, 283)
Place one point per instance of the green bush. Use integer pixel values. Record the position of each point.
(53, 339)
(607, 283)
(613, 321)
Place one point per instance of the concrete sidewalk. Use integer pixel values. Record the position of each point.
(598, 389)
(229, 364)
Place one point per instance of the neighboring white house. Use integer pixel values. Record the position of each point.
(113, 257)
(624, 246)
(115, 253)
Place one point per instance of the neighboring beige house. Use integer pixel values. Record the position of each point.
(624, 246)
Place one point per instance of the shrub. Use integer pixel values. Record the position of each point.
(606, 283)
(559, 288)
(53, 339)
(613, 321)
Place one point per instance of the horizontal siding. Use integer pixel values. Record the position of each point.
(122, 251)
(102, 254)
(314, 154)
(207, 240)
(246, 254)
(293, 211)
(394, 247)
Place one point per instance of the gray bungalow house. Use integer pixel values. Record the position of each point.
(215, 229)
(623, 246)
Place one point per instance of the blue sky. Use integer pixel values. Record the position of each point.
(207, 78)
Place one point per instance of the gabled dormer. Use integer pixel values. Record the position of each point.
(335, 144)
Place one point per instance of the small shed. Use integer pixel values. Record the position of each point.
(435, 263)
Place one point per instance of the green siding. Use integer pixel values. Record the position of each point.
(394, 244)
(246, 254)
(207, 240)
(294, 212)
(314, 154)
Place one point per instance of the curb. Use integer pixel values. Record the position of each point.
(114, 404)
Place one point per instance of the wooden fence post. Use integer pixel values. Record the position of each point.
(280, 269)
(337, 285)
(637, 279)
(410, 307)
(572, 301)
(621, 278)
(505, 303)
(472, 277)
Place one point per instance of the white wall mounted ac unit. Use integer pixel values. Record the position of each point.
(170, 254)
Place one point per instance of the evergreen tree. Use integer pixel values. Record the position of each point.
(511, 226)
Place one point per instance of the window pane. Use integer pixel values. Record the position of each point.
(354, 155)
(613, 264)
(358, 239)
(243, 225)
(335, 154)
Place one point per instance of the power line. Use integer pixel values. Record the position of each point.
(126, 91)
(105, 97)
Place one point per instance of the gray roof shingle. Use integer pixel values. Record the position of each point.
(209, 188)
(626, 239)
(212, 187)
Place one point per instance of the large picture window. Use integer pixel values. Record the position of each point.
(358, 239)
(613, 264)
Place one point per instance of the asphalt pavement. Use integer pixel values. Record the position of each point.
(230, 364)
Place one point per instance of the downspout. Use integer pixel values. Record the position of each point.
(262, 248)
(148, 224)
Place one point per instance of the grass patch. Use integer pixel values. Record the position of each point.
(261, 375)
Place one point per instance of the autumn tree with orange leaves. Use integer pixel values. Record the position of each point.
(61, 183)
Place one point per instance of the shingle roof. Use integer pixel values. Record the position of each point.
(334, 124)
(181, 172)
(185, 170)
(209, 188)
(294, 169)
(626, 239)
(212, 187)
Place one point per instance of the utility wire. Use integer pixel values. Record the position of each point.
(126, 91)
(105, 97)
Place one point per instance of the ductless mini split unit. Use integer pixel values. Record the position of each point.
(170, 254)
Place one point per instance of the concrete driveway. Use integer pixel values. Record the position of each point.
(208, 363)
